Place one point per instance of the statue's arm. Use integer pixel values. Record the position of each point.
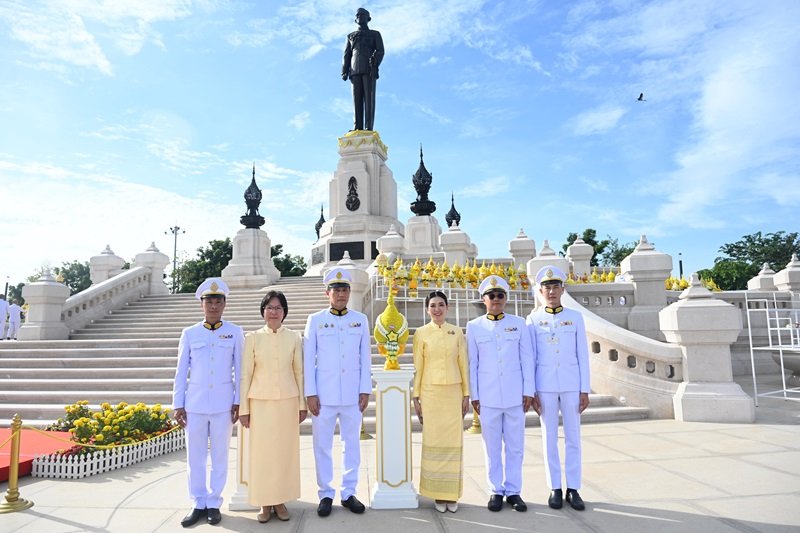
(348, 53)
(378, 53)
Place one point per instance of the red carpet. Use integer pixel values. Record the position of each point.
(32, 443)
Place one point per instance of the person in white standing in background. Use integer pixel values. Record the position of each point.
(14, 321)
(3, 315)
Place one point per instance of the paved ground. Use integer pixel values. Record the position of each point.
(653, 475)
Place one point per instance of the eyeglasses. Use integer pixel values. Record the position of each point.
(493, 295)
(271, 308)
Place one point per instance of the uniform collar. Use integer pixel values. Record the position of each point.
(336, 312)
(212, 327)
(554, 310)
(495, 318)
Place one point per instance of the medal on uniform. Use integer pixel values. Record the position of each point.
(552, 340)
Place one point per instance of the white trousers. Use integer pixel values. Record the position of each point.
(322, 427)
(13, 329)
(503, 428)
(207, 435)
(568, 403)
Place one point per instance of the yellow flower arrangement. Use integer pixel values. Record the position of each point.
(112, 424)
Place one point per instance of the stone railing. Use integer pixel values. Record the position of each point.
(636, 369)
(611, 301)
(95, 302)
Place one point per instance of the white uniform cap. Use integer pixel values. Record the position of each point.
(337, 276)
(492, 283)
(212, 287)
(550, 273)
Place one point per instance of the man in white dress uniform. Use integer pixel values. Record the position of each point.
(14, 321)
(3, 315)
(501, 378)
(558, 336)
(206, 399)
(338, 382)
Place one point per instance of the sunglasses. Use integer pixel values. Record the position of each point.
(495, 295)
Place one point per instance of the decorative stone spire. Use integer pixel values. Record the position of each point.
(453, 215)
(252, 198)
(644, 245)
(422, 180)
(320, 222)
(107, 251)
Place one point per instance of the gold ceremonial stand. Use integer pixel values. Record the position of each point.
(13, 502)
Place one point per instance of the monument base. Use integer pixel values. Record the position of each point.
(713, 402)
(251, 265)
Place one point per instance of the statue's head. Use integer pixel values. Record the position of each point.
(362, 14)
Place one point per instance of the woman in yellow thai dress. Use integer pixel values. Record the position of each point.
(441, 399)
(272, 407)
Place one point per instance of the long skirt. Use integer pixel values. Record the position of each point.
(274, 452)
(441, 467)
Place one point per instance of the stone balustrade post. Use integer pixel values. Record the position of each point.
(456, 245)
(788, 279)
(157, 262)
(391, 243)
(647, 268)
(763, 280)
(705, 327)
(45, 299)
(580, 255)
(547, 256)
(522, 248)
(105, 266)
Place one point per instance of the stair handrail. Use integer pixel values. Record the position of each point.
(98, 300)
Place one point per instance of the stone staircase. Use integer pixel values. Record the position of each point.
(130, 356)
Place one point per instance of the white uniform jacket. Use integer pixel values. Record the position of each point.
(336, 357)
(209, 369)
(501, 368)
(561, 350)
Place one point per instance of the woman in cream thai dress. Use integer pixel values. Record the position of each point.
(441, 399)
(273, 406)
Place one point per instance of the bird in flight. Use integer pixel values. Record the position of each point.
(641, 97)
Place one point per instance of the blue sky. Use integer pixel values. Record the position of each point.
(120, 119)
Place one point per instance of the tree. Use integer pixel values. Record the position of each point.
(746, 256)
(589, 237)
(288, 265)
(209, 263)
(15, 294)
(614, 253)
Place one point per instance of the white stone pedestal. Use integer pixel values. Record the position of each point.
(238, 501)
(422, 236)
(251, 265)
(393, 487)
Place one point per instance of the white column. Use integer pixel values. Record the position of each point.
(393, 487)
(238, 501)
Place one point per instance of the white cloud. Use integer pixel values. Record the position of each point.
(300, 120)
(598, 120)
(486, 188)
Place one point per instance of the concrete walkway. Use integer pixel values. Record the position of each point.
(653, 475)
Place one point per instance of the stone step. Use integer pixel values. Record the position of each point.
(84, 344)
(40, 415)
(46, 364)
(87, 353)
(78, 373)
(13, 390)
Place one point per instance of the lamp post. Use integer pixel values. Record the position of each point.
(680, 265)
(174, 230)
(5, 291)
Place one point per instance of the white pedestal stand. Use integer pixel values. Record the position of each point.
(393, 488)
(238, 501)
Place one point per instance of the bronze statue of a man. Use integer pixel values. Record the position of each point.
(363, 54)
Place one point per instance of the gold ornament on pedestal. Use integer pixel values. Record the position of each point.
(391, 333)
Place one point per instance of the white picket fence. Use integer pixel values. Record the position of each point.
(56, 466)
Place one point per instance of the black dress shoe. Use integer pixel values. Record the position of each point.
(517, 503)
(495, 503)
(575, 500)
(353, 504)
(325, 505)
(214, 516)
(556, 499)
(193, 516)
